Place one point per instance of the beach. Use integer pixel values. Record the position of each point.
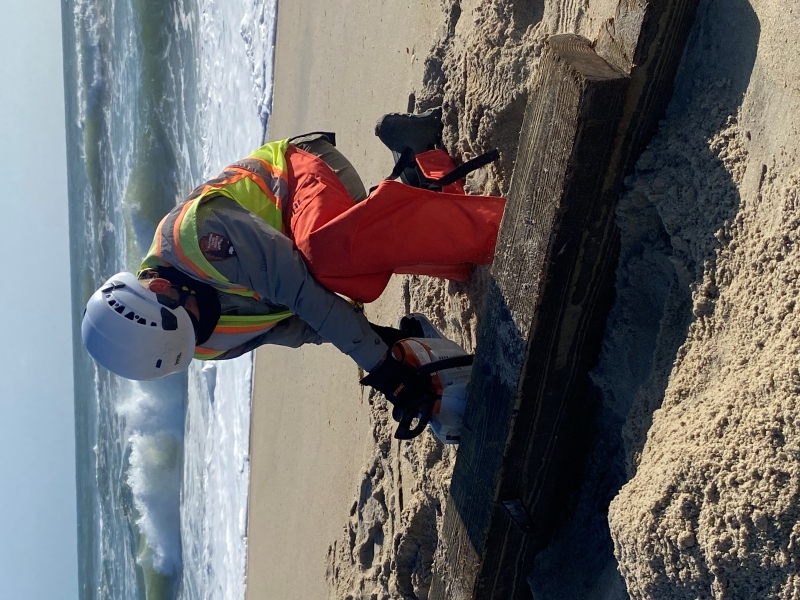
(337, 68)
(691, 478)
(693, 469)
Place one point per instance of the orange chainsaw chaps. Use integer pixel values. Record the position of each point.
(435, 164)
(353, 249)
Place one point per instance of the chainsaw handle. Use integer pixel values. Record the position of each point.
(423, 408)
(423, 412)
(453, 362)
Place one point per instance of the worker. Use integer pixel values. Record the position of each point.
(263, 254)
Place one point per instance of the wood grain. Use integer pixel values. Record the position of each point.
(589, 115)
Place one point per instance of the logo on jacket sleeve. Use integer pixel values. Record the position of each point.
(216, 247)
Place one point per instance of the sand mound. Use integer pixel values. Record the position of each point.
(712, 510)
(702, 342)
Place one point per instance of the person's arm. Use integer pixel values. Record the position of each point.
(266, 262)
(291, 333)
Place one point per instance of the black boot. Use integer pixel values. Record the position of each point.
(417, 132)
(420, 132)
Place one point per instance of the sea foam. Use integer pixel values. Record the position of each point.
(258, 32)
(154, 477)
(155, 428)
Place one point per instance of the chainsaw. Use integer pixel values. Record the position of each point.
(449, 368)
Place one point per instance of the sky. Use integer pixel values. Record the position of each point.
(38, 553)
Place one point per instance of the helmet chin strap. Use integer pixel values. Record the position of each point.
(195, 324)
(205, 295)
(183, 293)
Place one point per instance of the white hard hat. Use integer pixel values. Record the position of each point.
(127, 331)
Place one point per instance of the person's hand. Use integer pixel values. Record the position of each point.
(401, 384)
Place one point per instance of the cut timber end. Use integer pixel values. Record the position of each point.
(577, 52)
(646, 41)
(545, 314)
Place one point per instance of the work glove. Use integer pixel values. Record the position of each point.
(400, 383)
(389, 335)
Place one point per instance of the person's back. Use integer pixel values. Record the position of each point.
(263, 254)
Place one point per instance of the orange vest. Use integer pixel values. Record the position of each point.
(259, 183)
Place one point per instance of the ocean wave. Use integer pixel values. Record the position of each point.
(92, 50)
(154, 478)
(155, 435)
(152, 189)
(258, 32)
(90, 23)
(155, 406)
(158, 586)
(160, 168)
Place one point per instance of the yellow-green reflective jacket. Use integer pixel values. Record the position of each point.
(259, 183)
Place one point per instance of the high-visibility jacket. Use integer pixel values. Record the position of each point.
(258, 183)
(299, 240)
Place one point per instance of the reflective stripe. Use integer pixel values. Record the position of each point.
(273, 154)
(234, 324)
(237, 329)
(233, 330)
(242, 322)
(176, 236)
(246, 321)
(235, 183)
(154, 254)
(272, 182)
(201, 353)
(251, 192)
(184, 233)
(157, 238)
(224, 178)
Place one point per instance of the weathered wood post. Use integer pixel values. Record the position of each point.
(592, 110)
(549, 272)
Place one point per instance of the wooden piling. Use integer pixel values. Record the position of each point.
(590, 114)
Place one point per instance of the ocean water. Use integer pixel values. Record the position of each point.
(160, 94)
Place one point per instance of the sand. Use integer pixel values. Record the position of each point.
(698, 374)
(712, 510)
(337, 68)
